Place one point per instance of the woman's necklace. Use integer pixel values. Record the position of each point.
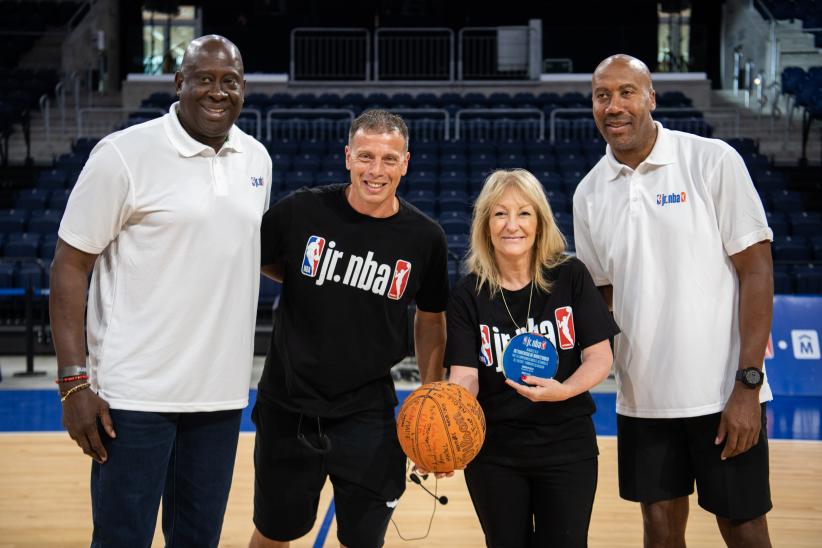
(531, 294)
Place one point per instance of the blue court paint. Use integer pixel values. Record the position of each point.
(323, 532)
(789, 417)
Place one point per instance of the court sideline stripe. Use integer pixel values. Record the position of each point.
(323, 532)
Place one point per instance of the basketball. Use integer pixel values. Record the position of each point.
(441, 427)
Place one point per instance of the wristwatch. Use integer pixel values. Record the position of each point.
(750, 376)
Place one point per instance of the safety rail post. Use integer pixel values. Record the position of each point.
(315, 112)
(540, 115)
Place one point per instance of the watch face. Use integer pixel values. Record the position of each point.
(753, 377)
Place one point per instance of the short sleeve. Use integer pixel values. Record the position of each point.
(740, 215)
(100, 203)
(593, 322)
(274, 231)
(583, 242)
(433, 293)
(462, 345)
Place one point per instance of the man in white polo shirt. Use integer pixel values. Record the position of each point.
(167, 214)
(671, 228)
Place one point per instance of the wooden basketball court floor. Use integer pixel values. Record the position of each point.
(44, 501)
(44, 484)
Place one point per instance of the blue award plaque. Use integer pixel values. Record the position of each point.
(529, 354)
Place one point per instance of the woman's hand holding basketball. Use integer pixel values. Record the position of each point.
(422, 472)
(542, 389)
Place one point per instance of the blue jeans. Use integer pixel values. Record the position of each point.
(185, 458)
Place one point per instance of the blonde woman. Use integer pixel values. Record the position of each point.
(534, 481)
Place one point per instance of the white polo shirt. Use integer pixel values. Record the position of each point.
(662, 236)
(173, 297)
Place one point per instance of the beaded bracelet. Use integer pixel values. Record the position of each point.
(71, 379)
(77, 388)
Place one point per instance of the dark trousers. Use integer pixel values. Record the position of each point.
(185, 458)
(521, 507)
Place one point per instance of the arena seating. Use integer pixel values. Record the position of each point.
(444, 177)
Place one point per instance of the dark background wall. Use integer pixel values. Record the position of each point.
(584, 31)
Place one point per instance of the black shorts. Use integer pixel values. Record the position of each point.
(366, 466)
(533, 506)
(659, 459)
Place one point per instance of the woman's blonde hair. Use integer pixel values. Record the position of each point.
(549, 243)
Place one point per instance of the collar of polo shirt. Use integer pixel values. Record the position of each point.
(187, 145)
(662, 154)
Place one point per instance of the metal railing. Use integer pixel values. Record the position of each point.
(308, 123)
(493, 53)
(45, 109)
(577, 123)
(251, 121)
(424, 123)
(337, 53)
(425, 53)
(496, 123)
(100, 121)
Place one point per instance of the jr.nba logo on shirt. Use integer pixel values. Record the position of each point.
(311, 259)
(400, 279)
(486, 355)
(565, 323)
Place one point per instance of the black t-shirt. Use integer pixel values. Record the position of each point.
(521, 432)
(348, 279)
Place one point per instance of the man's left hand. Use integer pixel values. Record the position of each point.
(740, 423)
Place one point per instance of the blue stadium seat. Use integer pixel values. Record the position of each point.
(451, 147)
(787, 201)
(22, 245)
(54, 179)
(31, 198)
(524, 100)
(6, 275)
(425, 100)
(13, 220)
(284, 146)
(297, 179)
(58, 199)
(84, 145)
(314, 148)
(328, 100)
(459, 184)
(565, 223)
(269, 291)
(425, 161)
(454, 222)
(331, 176)
(28, 274)
(421, 180)
(778, 223)
(44, 222)
(789, 248)
(806, 224)
(550, 179)
(808, 279)
(559, 200)
(816, 247)
(453, 161)
(512, 160)
(422, 198)
(457, 244)
(782, 280)
(452, 177)
(47, 245)
(306, 161)
(743, 145)
(453, 200)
